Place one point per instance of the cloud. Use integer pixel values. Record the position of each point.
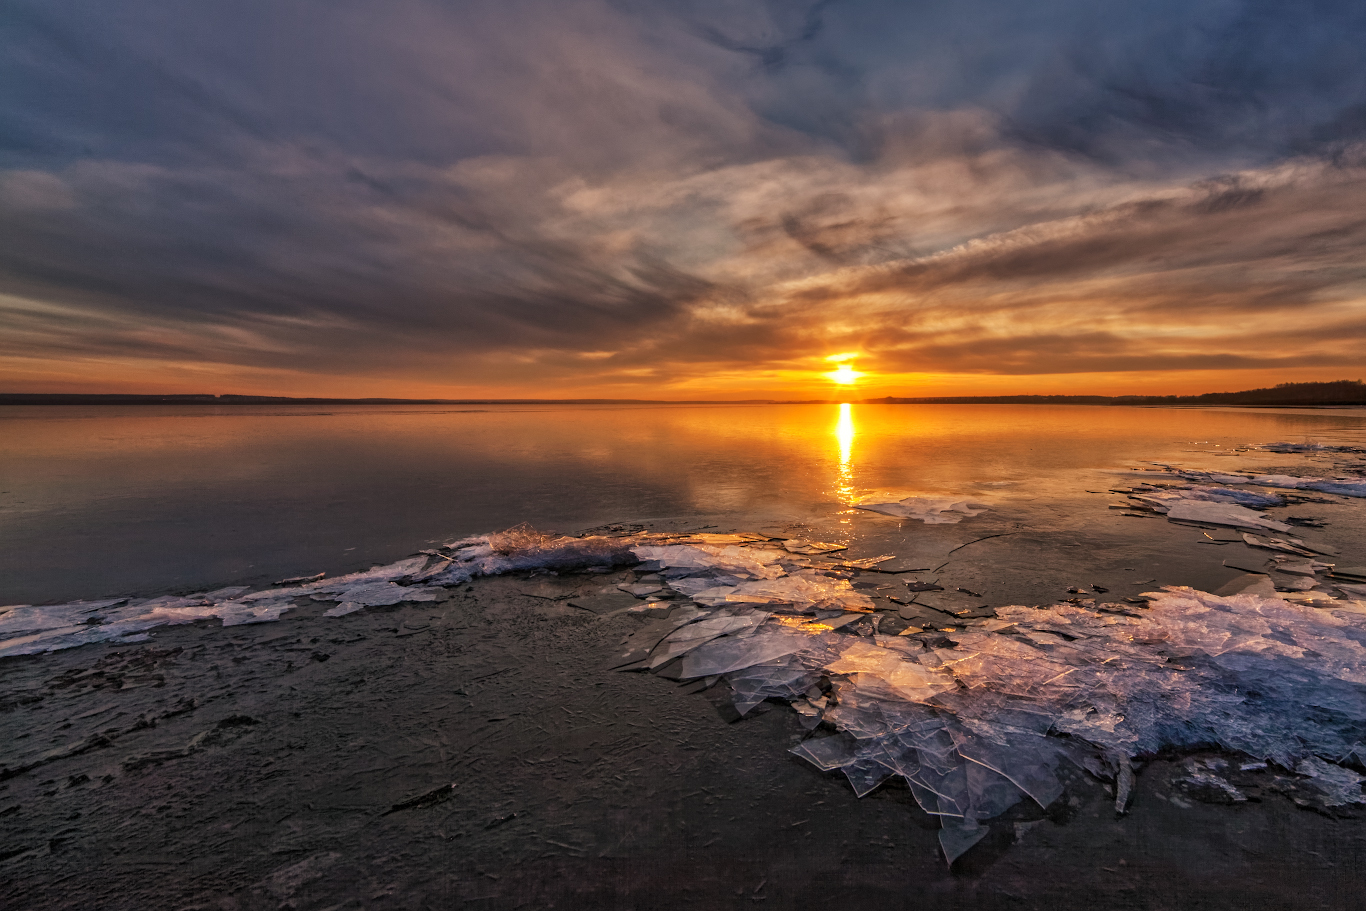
(598, 195)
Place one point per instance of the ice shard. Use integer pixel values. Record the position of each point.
(930, 510)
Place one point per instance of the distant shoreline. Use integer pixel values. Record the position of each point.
(1343, 393)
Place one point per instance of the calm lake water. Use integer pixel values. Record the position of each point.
(112, 500)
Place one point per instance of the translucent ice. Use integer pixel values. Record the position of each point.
(804, 589)
(1346, 487)
(1162, 500)
(377, 594)
(973, 724)
(1222, 514)
(799, 546)
(930, 510)
(734, 560)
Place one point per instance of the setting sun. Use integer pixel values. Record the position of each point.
(845, 375)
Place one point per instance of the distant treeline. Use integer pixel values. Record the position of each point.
(1338, 392)
(77, 398)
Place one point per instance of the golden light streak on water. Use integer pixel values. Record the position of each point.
(844, 436)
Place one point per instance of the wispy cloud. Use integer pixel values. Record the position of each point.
(602, 197)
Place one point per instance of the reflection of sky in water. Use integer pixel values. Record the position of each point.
(102, 500)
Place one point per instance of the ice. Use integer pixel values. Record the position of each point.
(1339, 786)
(865, 775)
(890, 668)
(726, 655)
(35, 630)
(690, 636)
(1222, 514)
(804, 589)
(637, 646)
(524, 548)
(734, 560)
(24, 618)
(930, 510)
(379, 574)
(377, 594)
(235, 613)
(786, 680)
(956, 838)
(1162, 500)
(65, 626)
(974, 726)
(1289, 546)
(826, 753)
(1346, 487)
(1306, 447)
(973, 723)
(800, 546)
(734, 538)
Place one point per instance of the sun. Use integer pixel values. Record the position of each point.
(844, 374)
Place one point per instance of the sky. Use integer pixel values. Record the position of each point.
(680, 199)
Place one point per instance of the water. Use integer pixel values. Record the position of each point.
(104, 501)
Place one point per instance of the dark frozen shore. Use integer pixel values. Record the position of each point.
(454, 730)
(477, 752)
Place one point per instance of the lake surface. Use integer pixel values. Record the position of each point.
(119, 500)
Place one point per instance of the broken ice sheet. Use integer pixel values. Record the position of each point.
(971, 726)
(1162, 499)
(640, 589)
(804, 589)
(802, 546)
(723, 656)
(378, 594)
(955, 838)
(826, 753)
(690, 636)
(1339, 786)
(785, 679)
(1289, 546)
(1223, 514)
(636, 647)
(1344, 486)
(85, 623)
(930, 510)
(24, 618)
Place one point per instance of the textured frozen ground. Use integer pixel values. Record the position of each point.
(974, 710)
(258, 767)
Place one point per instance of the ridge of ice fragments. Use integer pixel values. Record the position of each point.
(930, 510)
(1161, 500)
(1346, 487)
(1306, 447)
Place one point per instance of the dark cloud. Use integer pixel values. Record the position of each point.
(598, 194)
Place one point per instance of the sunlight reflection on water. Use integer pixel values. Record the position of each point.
(844, 436)
(95, 501)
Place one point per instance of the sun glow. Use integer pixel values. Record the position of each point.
(844, 374)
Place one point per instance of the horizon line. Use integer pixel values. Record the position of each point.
(1312, 393)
